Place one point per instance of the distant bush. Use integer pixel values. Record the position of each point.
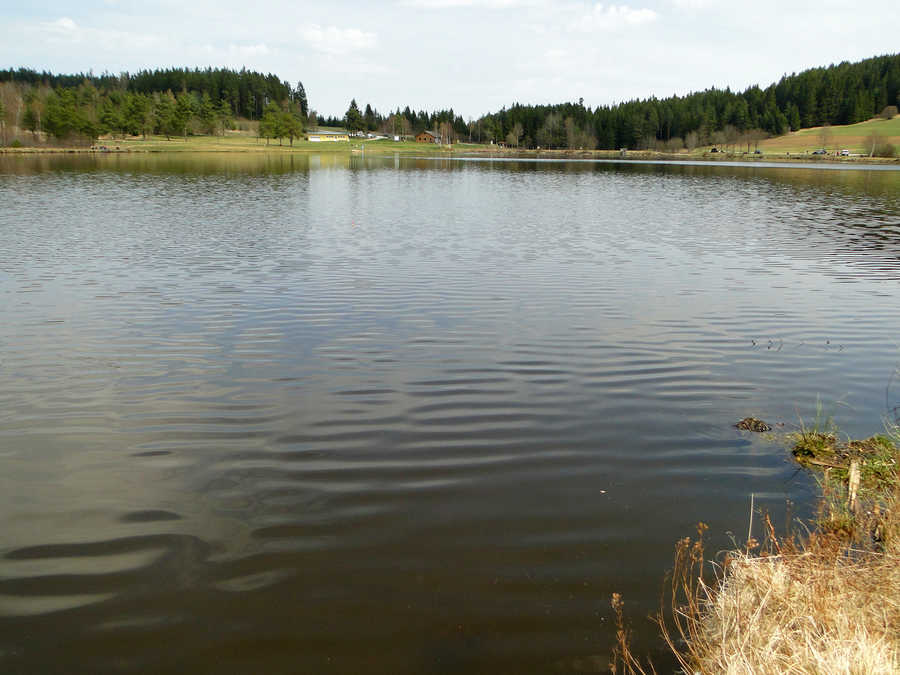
(885, 150)
(16, 144)
(878, 146)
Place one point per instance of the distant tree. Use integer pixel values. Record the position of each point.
(291, 125)
(12, 103)
(111, 116)
(446, 131)
(731, 135)
(34, 109)
(552, 133)
(185, 109)
(578, 137)
(272, 124)
(370, 118)
(149, 119)
(675, 144)
(571, 133)
(878, 146)
(718, 138)
(691, 140)
(223, 115)
(2, 123)
(353, 120)
(825, 136)
(300, 99)
(134, 115)
(793, 116)
(515, 134)
(740, 116)
(165, 117)
(207, 113)
(756, 135)
(405, 126)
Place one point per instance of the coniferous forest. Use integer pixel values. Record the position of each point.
(180, 101)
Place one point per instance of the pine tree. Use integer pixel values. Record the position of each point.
(370, 118)
(353, 119)
(223, 115)
(300, 99)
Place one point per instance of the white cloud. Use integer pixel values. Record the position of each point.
(693, 4)
(614, 17)
(62, 26)
(334, 40)
(246, 51)
(65, 30)
(485, 4)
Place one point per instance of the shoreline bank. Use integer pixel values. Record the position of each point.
(827, 601)
(463, 151)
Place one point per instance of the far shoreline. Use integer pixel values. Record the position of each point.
(462, 150)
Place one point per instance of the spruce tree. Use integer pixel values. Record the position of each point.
(353, 119)
(300, 98)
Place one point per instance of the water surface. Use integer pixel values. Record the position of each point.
(398, 415)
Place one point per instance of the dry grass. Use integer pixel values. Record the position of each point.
(825, 603)
(827, 609)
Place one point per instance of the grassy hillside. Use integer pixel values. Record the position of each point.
(852, 137)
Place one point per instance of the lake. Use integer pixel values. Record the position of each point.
(373, 414)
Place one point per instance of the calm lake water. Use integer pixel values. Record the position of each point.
(392, 415)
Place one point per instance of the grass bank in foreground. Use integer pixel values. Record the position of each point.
(824, 602)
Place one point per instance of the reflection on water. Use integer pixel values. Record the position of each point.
(379, 414)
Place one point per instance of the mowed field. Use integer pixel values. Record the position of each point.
(852, 137)
(247, 142)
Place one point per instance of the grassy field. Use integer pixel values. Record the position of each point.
(852, 137)
(245, 142)
(792, 146)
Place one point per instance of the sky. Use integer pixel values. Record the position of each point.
(474, 56)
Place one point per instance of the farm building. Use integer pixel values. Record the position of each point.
(323, 136)
(428, 137)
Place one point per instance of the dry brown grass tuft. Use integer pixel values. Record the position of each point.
(814, 612)
(827, 604)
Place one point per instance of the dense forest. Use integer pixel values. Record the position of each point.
(173, 102)
(838, 94)
(181, 101)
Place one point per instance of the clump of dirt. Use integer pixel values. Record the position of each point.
(753, 424)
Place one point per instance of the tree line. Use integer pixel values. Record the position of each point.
(246, 92)
(174, 102)
(179, 101)
(838, 94)
(406, 122)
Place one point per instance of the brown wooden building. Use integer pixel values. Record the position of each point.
(428, 137)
